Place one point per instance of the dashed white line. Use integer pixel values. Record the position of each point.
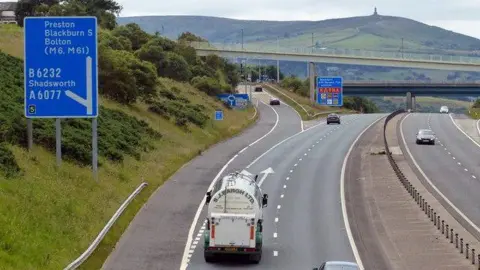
(275, 253)
(459, 164)
(466, 169)
(453, 157)
(318, 141)
(291, 171)
(279, 206)
(284, 186)
(276, 219)
(281, 196)
(305, 154)
(296, 164)
(288, 178)
(300, 159)
(309, 149)
(474, 177)
(275, 235)
(449, 153)
(445, 149)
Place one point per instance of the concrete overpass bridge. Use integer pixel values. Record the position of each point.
(410, 89)
(345, 56)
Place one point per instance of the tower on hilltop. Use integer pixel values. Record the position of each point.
(375, 11)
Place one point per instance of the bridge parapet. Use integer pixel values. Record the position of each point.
(413, 83)
(254, 48)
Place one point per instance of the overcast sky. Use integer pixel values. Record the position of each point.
(461, 16)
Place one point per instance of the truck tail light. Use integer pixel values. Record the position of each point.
(252, 232)
(212, 231)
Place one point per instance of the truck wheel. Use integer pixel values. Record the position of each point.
(209, 258)
(256, 258)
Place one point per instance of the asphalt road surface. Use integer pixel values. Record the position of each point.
(303, 222)
(452, 164)
(156, 237)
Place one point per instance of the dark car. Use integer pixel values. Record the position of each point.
(274, 101)
(333, 118)
(258, 89)
(425, 136)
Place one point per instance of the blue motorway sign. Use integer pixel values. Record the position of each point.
(218, 115)
(235, 100)
(61, 76)
(330, 91)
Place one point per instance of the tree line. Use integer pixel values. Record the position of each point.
(131, 60)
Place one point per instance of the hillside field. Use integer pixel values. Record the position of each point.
(50, 215)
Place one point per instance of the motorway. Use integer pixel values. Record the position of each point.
(451, 165)
(303, 223)
(156, 238)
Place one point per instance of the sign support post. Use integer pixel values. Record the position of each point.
(61, 75)
(95, 149)
(58, 139)
(30, 133)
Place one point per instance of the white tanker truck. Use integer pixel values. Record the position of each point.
(234, 218)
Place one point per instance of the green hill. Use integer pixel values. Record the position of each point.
(374, 32)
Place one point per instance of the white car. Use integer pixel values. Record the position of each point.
(444, 109)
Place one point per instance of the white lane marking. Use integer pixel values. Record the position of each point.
(198, 238)
(276, 145)
(478, 127)
(430, 182)
(276, 219)
(445, 149)
(291, 171)
(453, 157)
(275, 253)
(318, 141)
(466, 169)
(342, 197)
(275, 235)
(241, 151)
(474, 177)
(299, 116)
(300, 159)
(305, 154)
(284, 186)
(191, 231)
(459, 163)
(464, 133)
(309, 149)
(195, 242)
(281, 196)
(296, 164)
(200, 207)
(279, 206)
(449, 153)
(288, 178)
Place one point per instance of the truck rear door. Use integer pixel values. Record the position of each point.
(234, 230)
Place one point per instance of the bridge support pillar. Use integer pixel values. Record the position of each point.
(278, 71)
(408, 101)
(414, 103)
(312, 81)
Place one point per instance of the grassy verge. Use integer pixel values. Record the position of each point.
(11, 40)
(302, 105)
(474, 113)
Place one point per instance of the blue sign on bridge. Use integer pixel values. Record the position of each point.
(330, 91)
(61, 77)
(235, 100)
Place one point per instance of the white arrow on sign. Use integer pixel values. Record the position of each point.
(265, 174)
(87, 102)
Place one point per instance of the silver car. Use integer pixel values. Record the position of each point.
(337, 265)
(425, 136)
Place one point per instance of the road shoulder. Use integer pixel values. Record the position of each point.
(390, 230)
(468, 125)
